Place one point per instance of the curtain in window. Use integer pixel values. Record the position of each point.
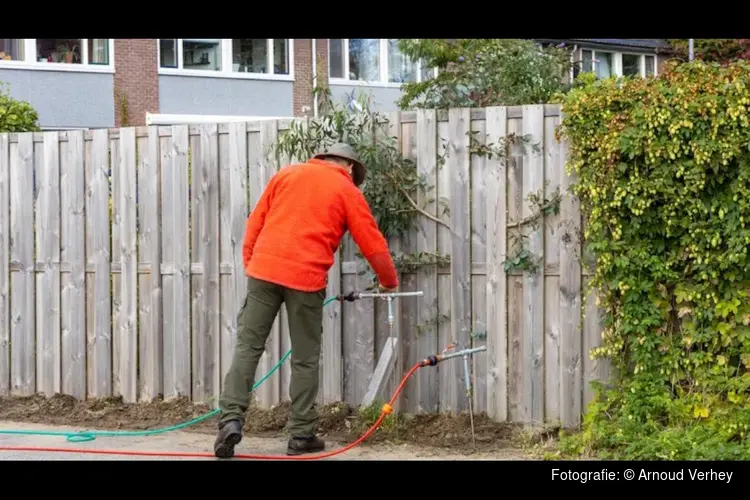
(12, 47)
(604, 64)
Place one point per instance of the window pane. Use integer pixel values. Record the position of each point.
(364, 59)
(168, 53)
(650, 60)
(631, 65)
(603, 64)
(336, 58)
(281, 56)
(250, 55)
(11, 49)
(201, 54)
(426, 73)
(400, 68)
(59, 50)
(587, 61)
(98, 51)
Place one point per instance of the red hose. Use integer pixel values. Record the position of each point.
(387, 409)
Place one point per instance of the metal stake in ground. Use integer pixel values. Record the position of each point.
(467, 376)
(465, 353)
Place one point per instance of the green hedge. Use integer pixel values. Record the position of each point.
(663, 168)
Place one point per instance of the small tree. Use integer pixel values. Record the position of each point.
(393, 184)
(718, 50)
(16, 115)
(485, 72)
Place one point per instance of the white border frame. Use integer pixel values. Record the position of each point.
(617, 60)
(30, 62)
(226, 63)
(383, 66)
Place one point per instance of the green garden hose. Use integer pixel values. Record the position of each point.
(81, 436)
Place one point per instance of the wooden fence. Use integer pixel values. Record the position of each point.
(120, 269)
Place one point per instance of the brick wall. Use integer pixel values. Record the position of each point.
(303, 86)
(136, 88)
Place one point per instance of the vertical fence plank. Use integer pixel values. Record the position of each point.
(48, 254)
(149, 254)
(459, 160)
(570, 297)
(332, 375)
(533, 283)
(73, 258)
(332, 366)
(358, 333)
(4, 264)
(479, 257)
(98, 300)
(205, 251)
(446, 378)
(551, 360)
(176, 254)
(393, 132)
(407, 306)
(23, 290)
(285, 341)
(116, 258)
(211, 268)
(197, 265)
(357, 319)
(517, 378)
(331, 358)
(233, 211)
(497, 331)
(268, 163)
(552, 249)
(128, 314)
(427, 306)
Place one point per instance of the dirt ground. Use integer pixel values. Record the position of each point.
(338, 423)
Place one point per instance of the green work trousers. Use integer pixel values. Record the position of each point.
(305, 314)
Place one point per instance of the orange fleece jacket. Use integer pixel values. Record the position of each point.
(295, 228)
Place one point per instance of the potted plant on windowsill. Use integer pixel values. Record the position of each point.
(69, 52)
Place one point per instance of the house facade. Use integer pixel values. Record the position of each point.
(95, 83)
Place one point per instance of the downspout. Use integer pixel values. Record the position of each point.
(573, 55)
(315, 77)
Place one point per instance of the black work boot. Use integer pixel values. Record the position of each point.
(299, 445)
(230, 433)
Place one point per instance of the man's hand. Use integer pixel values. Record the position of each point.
(383, 289)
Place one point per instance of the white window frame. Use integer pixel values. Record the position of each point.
(617, 60)
(30, 61)
(226, 63)
(383, 66)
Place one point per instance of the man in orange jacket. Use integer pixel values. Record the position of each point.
(289, 245)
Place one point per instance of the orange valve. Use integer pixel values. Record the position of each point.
(387, 409)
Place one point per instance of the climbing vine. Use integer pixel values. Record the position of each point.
(663, 168)
(519, 257)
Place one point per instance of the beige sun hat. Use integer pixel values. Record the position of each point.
(346, 152)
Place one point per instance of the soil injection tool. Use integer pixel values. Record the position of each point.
(465, 353)
(386, 410)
